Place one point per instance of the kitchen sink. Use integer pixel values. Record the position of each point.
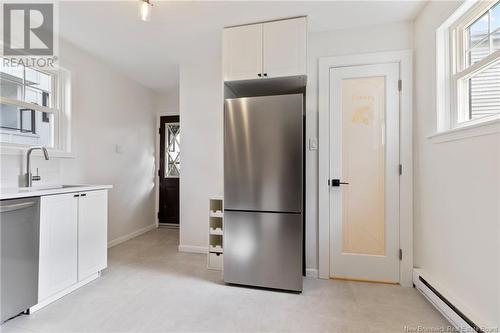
(47, 187)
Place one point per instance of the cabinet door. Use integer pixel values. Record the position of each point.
(242, 52)
(92, 233)
(285, 47)
(58, 244)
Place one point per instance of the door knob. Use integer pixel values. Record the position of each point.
(336, 182)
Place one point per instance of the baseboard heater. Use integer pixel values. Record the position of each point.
(456, 317)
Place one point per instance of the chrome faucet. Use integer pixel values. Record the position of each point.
(29, 177)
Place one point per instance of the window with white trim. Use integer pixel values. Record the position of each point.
(31, 103)
(475, 65)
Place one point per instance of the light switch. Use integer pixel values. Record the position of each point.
(313, 144)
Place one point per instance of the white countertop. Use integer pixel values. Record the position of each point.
(36, 191)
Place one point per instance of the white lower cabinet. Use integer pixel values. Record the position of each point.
(92, 233)
(58, 244)
(73, 241)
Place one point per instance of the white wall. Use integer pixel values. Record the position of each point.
(201, 108)
(456, 212)
(107, 109)
(167, 102)
(201, 115)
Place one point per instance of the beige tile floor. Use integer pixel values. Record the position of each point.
(150, 287)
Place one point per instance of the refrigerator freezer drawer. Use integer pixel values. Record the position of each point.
(263, 249)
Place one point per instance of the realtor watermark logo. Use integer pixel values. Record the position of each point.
(448, 329)
(29, 34)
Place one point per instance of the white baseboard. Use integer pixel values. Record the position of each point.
(64, 292)
(193, 249)
(312, 272)
(131, 235)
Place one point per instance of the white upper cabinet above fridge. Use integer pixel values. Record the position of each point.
(242, 52)
(265, 50)
(284, 44)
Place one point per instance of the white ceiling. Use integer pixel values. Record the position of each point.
(150, 52)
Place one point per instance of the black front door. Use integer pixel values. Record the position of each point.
(169, 172)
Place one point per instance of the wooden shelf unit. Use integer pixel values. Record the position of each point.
(215, 234)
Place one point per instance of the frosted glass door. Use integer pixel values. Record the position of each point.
(363, 142)
(365, 158)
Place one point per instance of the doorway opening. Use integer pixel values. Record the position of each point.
(169, 171)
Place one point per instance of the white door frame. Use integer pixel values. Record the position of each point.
(404, 58)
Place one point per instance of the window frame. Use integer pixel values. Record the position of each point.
(60, 109)
(176, 161)
(451, 72)
(460, 72)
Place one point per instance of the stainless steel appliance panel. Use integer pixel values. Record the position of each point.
(263, 153)
(263, 249)
(19, 242)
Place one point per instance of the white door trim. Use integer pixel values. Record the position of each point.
(404, 58)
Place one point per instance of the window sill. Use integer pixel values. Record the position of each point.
(18, 133)
(467, 131)
(7, 149)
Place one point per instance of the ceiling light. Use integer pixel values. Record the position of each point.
(145, 10)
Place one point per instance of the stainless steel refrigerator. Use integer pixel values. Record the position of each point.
(263, 191)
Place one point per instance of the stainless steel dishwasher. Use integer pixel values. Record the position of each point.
(19, 242)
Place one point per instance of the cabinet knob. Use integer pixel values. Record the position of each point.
(265, 74)
(259, 75)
